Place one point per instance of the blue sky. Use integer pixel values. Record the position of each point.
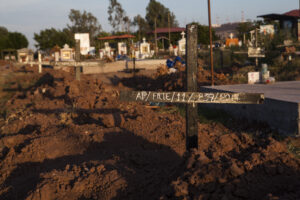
(31, 16)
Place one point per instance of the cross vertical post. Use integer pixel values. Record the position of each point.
(191, 78)
(77, 59)
(40, 61)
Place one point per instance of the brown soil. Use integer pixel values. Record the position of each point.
(65, 139)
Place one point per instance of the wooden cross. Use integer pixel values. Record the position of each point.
(191, 97)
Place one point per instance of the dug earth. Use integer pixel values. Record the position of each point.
(67, 139)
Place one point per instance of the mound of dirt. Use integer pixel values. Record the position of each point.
(68, 139)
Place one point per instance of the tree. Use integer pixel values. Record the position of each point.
(117, 17)
(156, 10)
(203, 34)
(84, 22)
(3, 37)
(141, 24)
(12, 40)
(17, 41)
(49, 38)
(244, 29)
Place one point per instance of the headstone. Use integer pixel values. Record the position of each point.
(181, 45)
(25, 55)
(66, 53)
(122, 48)
(145, 49)
(253, 77)
(56, 56)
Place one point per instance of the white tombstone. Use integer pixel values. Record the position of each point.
(66, 53)
(181, 45)
(171, 49)
(101, 54)
(253, 77)
(145, 49)
(122, 48)
(107, 50)
(56, 56)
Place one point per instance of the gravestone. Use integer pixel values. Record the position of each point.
(66, 53)
(122, 48)
(25, 55)
(191, 97)
(182, 45)
(145, 49)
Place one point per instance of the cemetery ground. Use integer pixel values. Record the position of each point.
(67, 139)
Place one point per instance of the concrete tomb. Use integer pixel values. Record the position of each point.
(106, 51)
(25, 55)
(122, 48)
(67, 53)
(145, 51)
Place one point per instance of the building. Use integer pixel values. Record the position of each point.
(288, 21)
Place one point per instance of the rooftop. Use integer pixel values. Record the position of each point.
(113, 37)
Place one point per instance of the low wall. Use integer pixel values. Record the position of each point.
(282, 116)
(121, 65)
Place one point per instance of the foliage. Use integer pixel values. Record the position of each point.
(285, 71)
(49, 38)
(245, 28)
(158, 11)
(12, 40)
(142, 25)
(17, 40)
(117, 17)
(203, 34)
(84, 22)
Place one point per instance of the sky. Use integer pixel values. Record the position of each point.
(31, 16)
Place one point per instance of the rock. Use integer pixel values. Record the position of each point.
(235, 170)
(112, 120)
(3, 150)
(100, 168)
(67, 167)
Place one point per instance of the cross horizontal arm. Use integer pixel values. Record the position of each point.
(192, 97)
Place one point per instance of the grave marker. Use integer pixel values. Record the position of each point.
(191, 97)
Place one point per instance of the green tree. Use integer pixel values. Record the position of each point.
(158, 11)
(17, 41)
(12, 40)
(49, 38)
(203, 34)
(117, 17)
(141, 24)
(3, 37)
(245, 28)
(84, 22)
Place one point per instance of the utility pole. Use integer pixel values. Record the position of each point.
(169, 24)
(211, 50)
(155, 37)
(139, 21)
